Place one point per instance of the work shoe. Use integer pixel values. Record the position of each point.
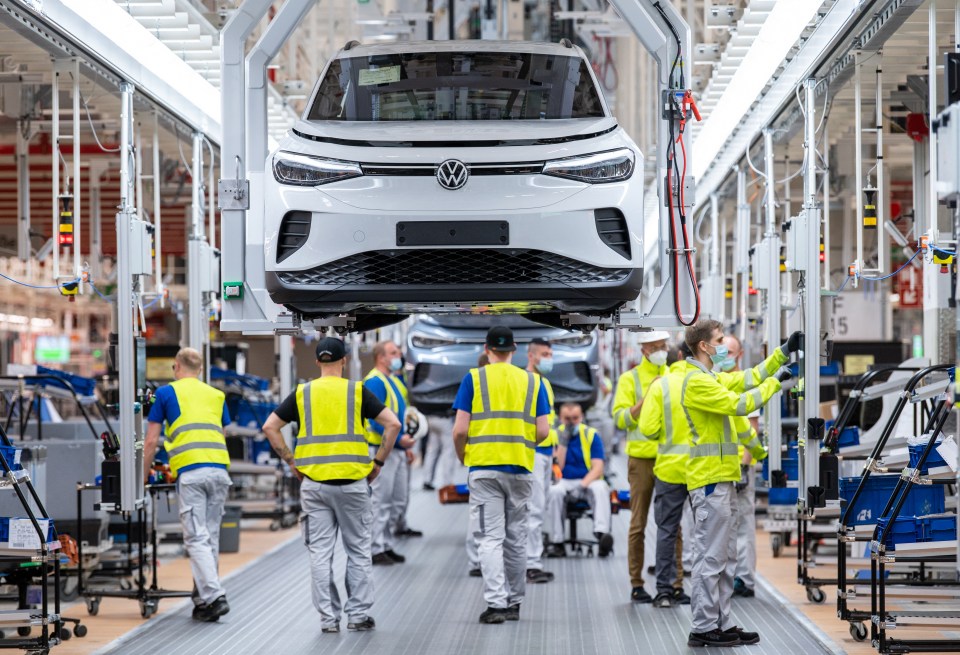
(492, 615)
(409, 532)
(680, 598)
(640, 595)
(331, 630)
(606, 544)
(663, 600)
(382, 559)
(220, 606)
(556, 550)
(428, 487)
(651, 570)
(746, 638)
(395, 556)
(741, 589)
(363, 626)
(536, 576)
(476, 573)
(513, 612)
(205, 614)
(713, 638)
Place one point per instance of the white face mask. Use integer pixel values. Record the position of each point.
(658, 358)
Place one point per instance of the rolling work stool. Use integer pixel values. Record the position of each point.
(576, 510)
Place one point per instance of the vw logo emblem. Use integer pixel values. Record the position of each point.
(452, 174)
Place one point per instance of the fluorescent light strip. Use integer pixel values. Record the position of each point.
(779, 34)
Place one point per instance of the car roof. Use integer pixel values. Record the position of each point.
(460, 45)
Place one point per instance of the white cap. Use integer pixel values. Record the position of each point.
(655, 335)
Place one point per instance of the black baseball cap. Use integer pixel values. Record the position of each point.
(330, 349)
(500, 339)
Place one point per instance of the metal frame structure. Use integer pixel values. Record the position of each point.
(246, 304)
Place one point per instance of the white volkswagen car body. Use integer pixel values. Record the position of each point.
(454, 176)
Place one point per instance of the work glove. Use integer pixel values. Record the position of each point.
(784, 374)
(793, 344)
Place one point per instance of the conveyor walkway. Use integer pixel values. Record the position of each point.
(430, 606)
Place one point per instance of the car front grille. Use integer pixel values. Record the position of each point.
(452, 267)
(294, 232)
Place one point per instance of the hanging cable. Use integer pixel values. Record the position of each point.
(39, 286)
(887, 277)
(92, 128)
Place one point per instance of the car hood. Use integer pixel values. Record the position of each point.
(414, 133)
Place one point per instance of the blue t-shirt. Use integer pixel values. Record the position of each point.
(377, 388)
(574, 467)
(464, 401)
(166, 409)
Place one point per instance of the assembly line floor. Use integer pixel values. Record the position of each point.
(430, 606)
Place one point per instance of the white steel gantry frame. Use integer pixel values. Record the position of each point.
(247, 306)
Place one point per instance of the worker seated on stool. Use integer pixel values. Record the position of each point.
(581, 454)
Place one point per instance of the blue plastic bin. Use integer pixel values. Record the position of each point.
(624, 496)
(5, 528)
(942, 528)
(463, 489)
(921, 500)
(905, 530)
(933, 459)
(783, 496)
(849, 437)
(12, 455)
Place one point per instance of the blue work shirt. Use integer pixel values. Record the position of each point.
(574, 466)
(464, 401)
(377, 388)
(166, 409)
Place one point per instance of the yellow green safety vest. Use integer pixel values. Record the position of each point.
(716, 417)
(587, 435)
(631, 388)
(551, 439)
(330, 442)
(665, 420)
(393, 404)
(196, 437)
(503, 417)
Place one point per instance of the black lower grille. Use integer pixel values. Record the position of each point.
(294, 231)
(452, 267)
(612, 228)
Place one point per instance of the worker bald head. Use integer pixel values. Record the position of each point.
(187, 364)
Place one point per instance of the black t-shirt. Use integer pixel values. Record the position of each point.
(370, 407)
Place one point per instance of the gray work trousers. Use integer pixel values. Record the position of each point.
(398, 512)
(686, 528)
(387, 494)
(328, 509)
(201, 494)
(668, 502)
(499, 503)
(542, 473)
(440, 460)
(715, 537)
(597, 494)
(747, 530)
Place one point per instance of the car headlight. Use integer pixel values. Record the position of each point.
(574, 340)
(598, 168)
(301, 170)
(420, 341)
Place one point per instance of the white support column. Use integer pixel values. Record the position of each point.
(858, 159)
(197, 321)
(131, 452)
(97, 168)
(810, 455)
(157, 181)
(741, 263)
(77, 209)
(932, 227)
(55, 167)
(286, 375)
(24, 250)
(771, 416)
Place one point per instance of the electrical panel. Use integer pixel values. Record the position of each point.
(762, 273)
(209, 268)
(948, 145)
(141, 248)
(796, 245)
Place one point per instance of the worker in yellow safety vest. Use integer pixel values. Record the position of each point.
(333, 460)
(580, 453)
(502, 414)
(540, 363)
(195, 413)
(710, 400)
(641, 450)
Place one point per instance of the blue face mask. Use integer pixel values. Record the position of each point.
(396, 364)
(728, 364)
(545, 365)
(719, 355)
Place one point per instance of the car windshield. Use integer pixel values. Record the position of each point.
(428, 86)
